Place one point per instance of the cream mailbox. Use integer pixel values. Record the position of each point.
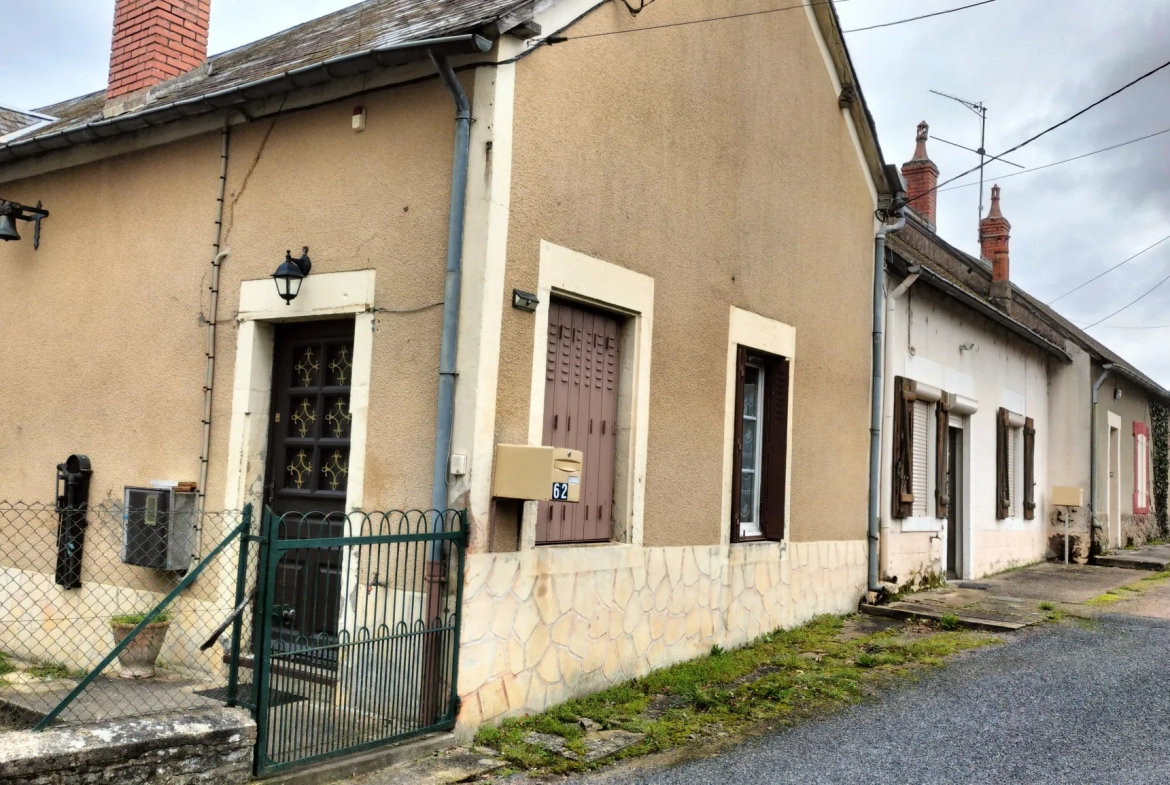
(538, 473)
(1064, 496)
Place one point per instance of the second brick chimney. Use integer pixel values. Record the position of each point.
(921, 178)
(156, 40)
(994, 234)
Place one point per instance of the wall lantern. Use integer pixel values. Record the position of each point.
(11, 212)
(291, 274)
(524, 300)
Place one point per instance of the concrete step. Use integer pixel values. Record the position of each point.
(352, 765)
(971, 621)
(1154, 559)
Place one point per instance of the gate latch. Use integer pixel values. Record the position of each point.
(285, 614)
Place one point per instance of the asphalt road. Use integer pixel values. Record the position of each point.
(1066, 704)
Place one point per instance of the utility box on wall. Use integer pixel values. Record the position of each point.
(1065, 496)
(158, 528)
(536, 473)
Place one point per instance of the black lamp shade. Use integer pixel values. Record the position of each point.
(290, 275)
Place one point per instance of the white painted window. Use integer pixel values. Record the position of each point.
(1013, 468)
(1141, 479)
(921, 463)
(753, 442)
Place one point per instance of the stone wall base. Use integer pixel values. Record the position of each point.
(545, 625)
(210, 746)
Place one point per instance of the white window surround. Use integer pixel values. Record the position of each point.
(766, 335)
(323, 295)
(574, 276)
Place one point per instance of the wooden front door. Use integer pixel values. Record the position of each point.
(580, 412)
(308, 473)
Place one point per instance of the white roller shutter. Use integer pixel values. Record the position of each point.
(922, 423)
(1013, 433)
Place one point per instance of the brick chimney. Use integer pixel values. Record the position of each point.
(921, 177)
(156, 40)
(994, 234)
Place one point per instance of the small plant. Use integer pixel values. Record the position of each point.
(134, 619)
(6, 665)
(866, 660)
(950, 622)
(716, 650)
(50, 671)
(1047, 606)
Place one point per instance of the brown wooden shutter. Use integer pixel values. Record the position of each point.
(737, 445)
(902, 498)
(1002, 483)
(1029, 469)
(942, 458)
(774, 466)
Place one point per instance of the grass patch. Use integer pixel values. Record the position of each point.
(782, 676)
(50, 671)
(1129, 592)
(6, 665)
(1048, 606)
(949, 621)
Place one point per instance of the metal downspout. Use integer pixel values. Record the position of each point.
(1093, 525)
(875, 414)
(213, 313)
(436, 576)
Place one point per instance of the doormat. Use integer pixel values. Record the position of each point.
(244, 690)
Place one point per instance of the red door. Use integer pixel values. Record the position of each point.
(580, 408)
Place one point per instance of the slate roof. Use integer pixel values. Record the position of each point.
(366, 26)
(12, 120)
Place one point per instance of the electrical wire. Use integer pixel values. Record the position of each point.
(708, 19)
(916, 18)
(1146, 294)
(1065, 161)
(1111, 269)
(1135, 327)
(1050, 128)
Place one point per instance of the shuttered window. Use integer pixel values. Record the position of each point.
(920, 462)
(1015, 434)
(760, 473)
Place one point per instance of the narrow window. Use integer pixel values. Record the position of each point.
(1011, 472)
(1141, 469)
(920, 462)
(759, 479)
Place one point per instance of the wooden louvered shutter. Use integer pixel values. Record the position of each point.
(942, 458)
(902, 498)
(1002, 479)
(1029, 469)
(774, 468)
(737, 445)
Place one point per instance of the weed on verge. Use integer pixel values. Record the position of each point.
(1129, 592)
(782, 676)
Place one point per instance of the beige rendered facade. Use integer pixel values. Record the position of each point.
(700, 183)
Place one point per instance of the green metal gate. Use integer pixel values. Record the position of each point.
(355, 638)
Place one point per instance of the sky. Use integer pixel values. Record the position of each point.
(1031, 62)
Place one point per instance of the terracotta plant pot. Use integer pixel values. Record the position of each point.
(137, 659)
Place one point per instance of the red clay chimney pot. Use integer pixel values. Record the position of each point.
(922, 178)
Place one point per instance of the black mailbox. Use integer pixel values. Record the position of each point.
(72, 505)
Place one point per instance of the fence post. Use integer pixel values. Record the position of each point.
(262, 648)
(241, 579)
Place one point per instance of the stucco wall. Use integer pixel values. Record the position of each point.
(713, 158)
(1133, 406)
(110, 361)
(999, 369)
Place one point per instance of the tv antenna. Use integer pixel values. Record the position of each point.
(981, 111)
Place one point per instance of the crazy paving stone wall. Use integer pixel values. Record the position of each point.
(544, 625)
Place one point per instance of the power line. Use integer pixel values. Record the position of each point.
(1135, 327)
(1065, 161)
(916, 18)
(709, 19)
(1052, 128)
(1111, 269)
(1147, 293)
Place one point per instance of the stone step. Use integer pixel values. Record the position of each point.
(1134, 561)
(907, 610)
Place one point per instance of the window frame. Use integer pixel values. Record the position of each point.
(774, 394)
(1141, 469)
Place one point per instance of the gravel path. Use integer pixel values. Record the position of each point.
(1064, 705)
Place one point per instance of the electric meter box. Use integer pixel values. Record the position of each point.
(537, 473)
(158, 528)
(1065, 496)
